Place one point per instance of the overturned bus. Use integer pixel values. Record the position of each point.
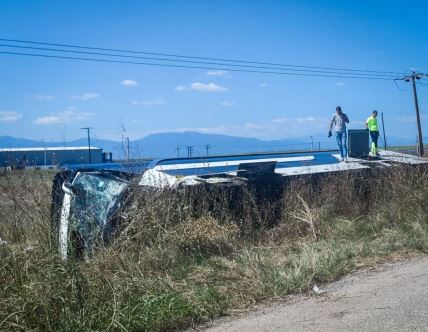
(90, 202)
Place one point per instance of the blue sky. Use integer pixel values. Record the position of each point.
(51, 99)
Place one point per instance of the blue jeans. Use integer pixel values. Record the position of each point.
(341, 142)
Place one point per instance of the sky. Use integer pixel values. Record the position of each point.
(51, 99)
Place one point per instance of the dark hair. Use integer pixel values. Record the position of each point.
(338, 109)
(375, 111)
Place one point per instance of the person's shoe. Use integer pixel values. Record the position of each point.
(377, 154)
(342, 159)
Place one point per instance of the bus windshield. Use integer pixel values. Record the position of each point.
(94, 202)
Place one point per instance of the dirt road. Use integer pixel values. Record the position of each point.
(392, 297)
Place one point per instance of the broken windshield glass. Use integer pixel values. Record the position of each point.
(94, 202)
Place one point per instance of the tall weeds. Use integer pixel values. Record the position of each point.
(185, 257)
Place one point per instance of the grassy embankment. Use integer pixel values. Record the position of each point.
(171, 268)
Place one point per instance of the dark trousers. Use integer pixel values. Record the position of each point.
(375, 136)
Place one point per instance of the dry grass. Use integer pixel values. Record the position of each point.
(185, 258)
(204, 235)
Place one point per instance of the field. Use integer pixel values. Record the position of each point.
(172, 267)
(408, 149)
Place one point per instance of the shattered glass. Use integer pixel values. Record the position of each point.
(95, 198)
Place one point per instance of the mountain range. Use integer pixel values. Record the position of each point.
(164, 145)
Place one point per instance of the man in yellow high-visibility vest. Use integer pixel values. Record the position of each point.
(372, 126)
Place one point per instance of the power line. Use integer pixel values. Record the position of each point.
(197, 57)
(390, 76)
(192, 67)
(398, 87)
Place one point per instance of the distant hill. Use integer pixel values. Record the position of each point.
(13, 142)
(165, 145)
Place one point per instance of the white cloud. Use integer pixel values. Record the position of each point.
(149, 103)
(182, 88)
(227, 103)
(339, 84)
(280, 120)
(44, 97)
(306, 119)
(357, 123)
(202, 87)
(408, 118)
(219, 73)
(263, 85)
(129, 83)
(70, 114)
(46, 120)
(210, 87)
(10, 116)
(85, 96)
(252, 125)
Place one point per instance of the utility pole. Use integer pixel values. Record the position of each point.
(412, 78)
(418, 118)
(383, 129)
(45, 148)
(312, 143)
(88, 130)
(189, 151)
(319, 146)
(208, 147)
(127, 148)
(177, 150)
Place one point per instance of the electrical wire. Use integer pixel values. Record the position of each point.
(197, 57)
(399, 88)
(345, 75)
(196, 62)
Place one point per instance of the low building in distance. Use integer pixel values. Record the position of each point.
(49, 156)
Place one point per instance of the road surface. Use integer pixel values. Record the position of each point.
(392, 297)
